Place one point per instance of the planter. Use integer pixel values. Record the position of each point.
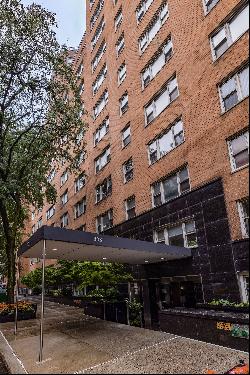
(223, 308)
(21, 315)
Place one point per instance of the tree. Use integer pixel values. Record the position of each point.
(40, 118)
(80, 274)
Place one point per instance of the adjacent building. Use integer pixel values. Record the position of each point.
(165, 90)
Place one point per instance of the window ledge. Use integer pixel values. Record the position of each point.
(240, 169)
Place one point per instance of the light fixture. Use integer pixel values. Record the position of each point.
(54, 249)
(162, 258)
(104, 258)
(146, 261)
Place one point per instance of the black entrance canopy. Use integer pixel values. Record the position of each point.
(76, 245)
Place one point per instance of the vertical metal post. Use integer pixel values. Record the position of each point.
(104, 310)
(42, 302)
(116, 315)
(128, 320)
(17, 294)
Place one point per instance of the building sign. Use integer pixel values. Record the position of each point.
(236, 330)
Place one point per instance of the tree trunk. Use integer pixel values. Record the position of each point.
(11, 273)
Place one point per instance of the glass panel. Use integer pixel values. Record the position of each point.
(175, 231)
(160, 236)
(238, 144)
(154, 30)
(221, 48)
(166, 143)
(183, 175)
(162, 102)
(241, 159)
(239, 24)
(170, 188)
(158, 64)
(228, 87)
(219, 37)
(244, 82)
(231, 100)
(190, 227)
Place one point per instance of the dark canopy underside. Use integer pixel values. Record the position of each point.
(83, 246)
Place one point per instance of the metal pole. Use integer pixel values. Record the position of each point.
(17, 285)
(104, 310)
(42, 302)
(128, 321)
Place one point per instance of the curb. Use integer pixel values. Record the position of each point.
(13, 364)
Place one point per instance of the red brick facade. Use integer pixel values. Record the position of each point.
(206, 128)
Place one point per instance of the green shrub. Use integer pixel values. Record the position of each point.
(226, 303)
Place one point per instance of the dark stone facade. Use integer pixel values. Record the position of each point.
(216, 259)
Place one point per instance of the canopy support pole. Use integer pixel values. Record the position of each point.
(42, 302)
(17, 292)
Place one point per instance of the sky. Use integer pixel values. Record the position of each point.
(70, 15)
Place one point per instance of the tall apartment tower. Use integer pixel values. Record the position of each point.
(165, 90)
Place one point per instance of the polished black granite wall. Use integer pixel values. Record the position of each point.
(216, 259)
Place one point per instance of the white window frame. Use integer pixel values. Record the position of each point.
(184, 233)
(101, 104)
(98, 33)
(64, 178)
(238, 89)
(142, 9)
(206, 11)
(145, 39)
(99, 79)
(123, 70)
(170, 130)
(64, 220)
(127, 127)
(163, 201)
(230, 151)
(96, 14)
(99, 220)
(125, 171)
(149, 67)
(126, 207)
(120, 44)
(226, 28)
(77, 212)
(118, 19)
(123, 103)
(64, 198)
(242, 218)
(100, 160)
(99, 190)
(98, 135)
(80, 182)
(50, 213)
(39, 223)
(152, 103)
(95, 62)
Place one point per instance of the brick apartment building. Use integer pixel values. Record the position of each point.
(165, 89)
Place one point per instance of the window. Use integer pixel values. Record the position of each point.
(40, 223)
(51, 175)
(230, 32)
(123, 104)
(128, 170)
(244, 286)
(169, 93)
(142, 9)
(91, 3)
(64, 198)
(209, 4)
(33, 215)
(183, 235)
(102, 160)
(101, 104)
(118, 19)
(81, 88)
(239, 151)
(101, 131)
(80, 182)
(33, 229)
(234, 89)
(51, 212)
(64, 220)
(122, 73)
(171, 187)
(82, 228)
(130, 208)
(80, 208)
(243, 207)
(98, 33)
(160, 59)
(120, 45)
(64, 178)
(166, 142)
(104, 189)
(96, 14)
(154, 27)
(104, 221)
(100, 79)
(81, 158)
(98, 56)
(126, 136)
(79, 71)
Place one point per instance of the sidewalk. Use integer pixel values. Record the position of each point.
(75, 343)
